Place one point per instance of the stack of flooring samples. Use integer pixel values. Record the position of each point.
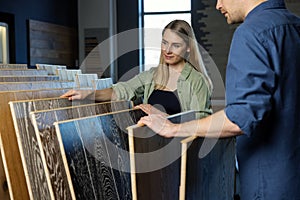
(17, 82)
(95, 154)
(45, 140)
(9, 148)
(28, 143)
(51, 69)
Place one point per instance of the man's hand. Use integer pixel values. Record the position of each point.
(160, 125)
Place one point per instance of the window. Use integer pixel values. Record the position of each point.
(4, 55)
(156, 14)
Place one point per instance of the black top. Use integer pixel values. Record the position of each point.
(166, 101)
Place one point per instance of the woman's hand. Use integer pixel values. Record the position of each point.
(149, 109)
(77, 94)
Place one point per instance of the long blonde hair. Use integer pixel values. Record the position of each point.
(185, 31)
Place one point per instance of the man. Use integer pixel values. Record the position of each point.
(263, 95)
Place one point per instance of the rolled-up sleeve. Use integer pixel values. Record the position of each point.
(250, 81)
(133, 88)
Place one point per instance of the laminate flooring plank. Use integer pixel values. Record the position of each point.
(28, 78)
(85, 80)
(12, 164)
(24, 72)
(4, 194)
(102, 83)
(13, 66)
(28, 145)
(37, 85)
(48, 142)
(95, 153)
(210, 176)
(156, 161)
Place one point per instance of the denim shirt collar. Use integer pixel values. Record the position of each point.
(270, 4)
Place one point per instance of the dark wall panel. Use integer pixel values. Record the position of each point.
(127, 20)
(53, 11)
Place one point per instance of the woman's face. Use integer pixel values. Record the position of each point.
(173, 48)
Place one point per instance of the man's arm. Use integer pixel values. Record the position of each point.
(214, 126)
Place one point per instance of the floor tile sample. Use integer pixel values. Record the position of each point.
(95, 153)
(48, 142)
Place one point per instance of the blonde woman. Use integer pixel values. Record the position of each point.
(179, 83)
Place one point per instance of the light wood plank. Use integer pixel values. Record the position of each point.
(85, 80)
(17, 72)
(18, 86)
(28, 78)
(13, 66)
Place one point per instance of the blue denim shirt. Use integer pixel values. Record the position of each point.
(263, 99)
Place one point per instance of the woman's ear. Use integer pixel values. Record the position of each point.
(188, 50)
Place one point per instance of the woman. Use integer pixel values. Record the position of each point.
(179, 83)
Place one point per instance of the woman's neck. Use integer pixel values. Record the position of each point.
(178, 67)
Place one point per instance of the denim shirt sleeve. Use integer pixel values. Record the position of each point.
(250, 81)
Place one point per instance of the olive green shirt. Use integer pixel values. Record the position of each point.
(193, 92)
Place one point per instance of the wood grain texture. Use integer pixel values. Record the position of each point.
(51, 69)
(157, 161)
(28, 78)
(85, 80)
(24, 72)
(17, 86)
(28, 145)
(48, 142)
(210, 177)
(13, 66)
(102, 83)
(68, 74)
(95, 153)
(15, 178)
(51, 43)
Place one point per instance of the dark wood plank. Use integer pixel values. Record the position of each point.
(48, 142)
(210, 169)
(95, 152)
(28, 145)
(52, 43)
(26, 72)
(156, 162)
(17, 86)
(28, 78)
(12, 164)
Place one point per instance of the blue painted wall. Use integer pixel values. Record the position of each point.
(61, 12)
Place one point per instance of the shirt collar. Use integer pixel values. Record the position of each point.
(186, 71)
(270, 4)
